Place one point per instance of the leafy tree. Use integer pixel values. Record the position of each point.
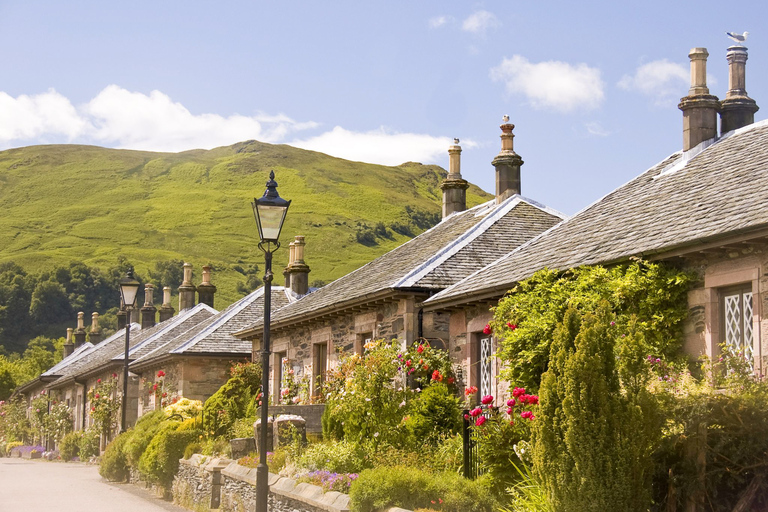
(252, 281)
(41, 354)
(15, 296)
(7, 383)
(50, 303)
(167, 273)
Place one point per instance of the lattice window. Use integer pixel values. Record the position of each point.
(739, 330)
(485, 367)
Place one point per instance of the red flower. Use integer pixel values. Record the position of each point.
(451, 380)
(475, 412)
(426, 367)
(466, 416)
(517, 392)
(98, 381)
(511, 326)
(165, 395)
(527, 415)
(96, 395)
(511, 402)
(420, 349)
(161, 373)
(487, 399)
(114, 375)
(154, 387)
(408, 363)
(509, 411)
(471, 390)
(487, 329)
(481, 420)
(93, 409)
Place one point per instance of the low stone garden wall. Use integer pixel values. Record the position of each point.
(205, 483)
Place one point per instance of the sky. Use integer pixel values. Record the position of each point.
(592, 87)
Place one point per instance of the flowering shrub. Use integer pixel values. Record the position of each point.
(294, 389)
(423, 365)
(329, 481)
(651, 298)
(105, 403)
(14, 424)
(184, 407)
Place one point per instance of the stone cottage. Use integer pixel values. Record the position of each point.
(381, 299)
(699, 208)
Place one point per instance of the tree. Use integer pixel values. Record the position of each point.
(593, 438)
(167, 273)
(50, 303)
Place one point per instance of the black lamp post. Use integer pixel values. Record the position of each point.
(269, 210)
(129, 288)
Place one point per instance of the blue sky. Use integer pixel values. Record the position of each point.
(592, 87)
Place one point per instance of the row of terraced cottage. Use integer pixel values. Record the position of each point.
(699, 208)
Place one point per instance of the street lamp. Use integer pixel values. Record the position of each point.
(269, 211)
(129, 288)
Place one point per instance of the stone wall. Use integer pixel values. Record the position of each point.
(312, 414)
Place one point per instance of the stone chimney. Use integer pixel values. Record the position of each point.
(507, 164)
(454, 187)
(737, 109)
(69, 347)
(166, 310)
(121, 316)
(80, 331)
(291, 258)
(95, 335)
(298, 271)
(187, 289)
(206, 291)
(699, 107)
(148, 311)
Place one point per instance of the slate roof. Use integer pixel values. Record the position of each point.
(76, 355)
(461, 243)
(164, 332)
(715, 190)
(214, 335)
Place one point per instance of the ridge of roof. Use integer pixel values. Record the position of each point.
(171, 323)
(223, 317)
(71, 358)
(468, 237)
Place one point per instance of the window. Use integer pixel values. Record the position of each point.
(320, 364)
(283, 367)
(738, 329)
(484, 374)
(362, 339)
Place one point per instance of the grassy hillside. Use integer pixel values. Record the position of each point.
(64, 203)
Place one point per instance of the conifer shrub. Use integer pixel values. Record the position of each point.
(410, 488)
(69, 448)
(114, 463)
(593, 439)
(237, 398)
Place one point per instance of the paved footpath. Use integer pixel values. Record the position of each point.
(41, 486)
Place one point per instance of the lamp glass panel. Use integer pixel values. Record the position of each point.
(271, 221)
(129, 291)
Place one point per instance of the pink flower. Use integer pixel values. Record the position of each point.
(527, 415)
(517, 392)
(487, 399)
(475, 412)
(487, 329)
(466, 416)
(98, 381)
(511, 402)
(480, 420)
(509, 411)
(96, 395)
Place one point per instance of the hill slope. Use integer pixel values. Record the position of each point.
(64, 203)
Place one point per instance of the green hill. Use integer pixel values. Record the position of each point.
(64, 203)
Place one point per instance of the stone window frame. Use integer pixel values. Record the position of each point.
(317, 341)
(275, 377)
(717, 284)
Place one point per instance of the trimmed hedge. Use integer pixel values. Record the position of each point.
(114, 463)
(160, 461)
(409, 488)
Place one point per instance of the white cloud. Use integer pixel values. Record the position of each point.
(552, 84)
(480, 22)
(660, 80)
(596, 129)
(120, 118)
(381, 146)
(39, 116)
(439, 21)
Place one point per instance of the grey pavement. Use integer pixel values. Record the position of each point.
(41, 486)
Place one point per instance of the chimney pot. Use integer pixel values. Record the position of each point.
(80, 331)
(206, 291)
(297, 273)
(737, 109)
(507, 164)
(69, 347)
(699, 107)
(454, 187)
(147, 312)
(187, 289)
(95, 335)
(166, 310)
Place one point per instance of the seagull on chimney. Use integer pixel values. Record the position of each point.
(739, 38)
(506, 118)
(455, 140)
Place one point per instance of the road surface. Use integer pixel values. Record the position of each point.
(41, 486)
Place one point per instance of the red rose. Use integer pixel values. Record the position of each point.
(161, 373)
(475, 412)
(98, 381)
(480, 420)
(451, 380)
(511, 326)
(487, 329)
(420, 349)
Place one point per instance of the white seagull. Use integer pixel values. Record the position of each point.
(739, 38)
